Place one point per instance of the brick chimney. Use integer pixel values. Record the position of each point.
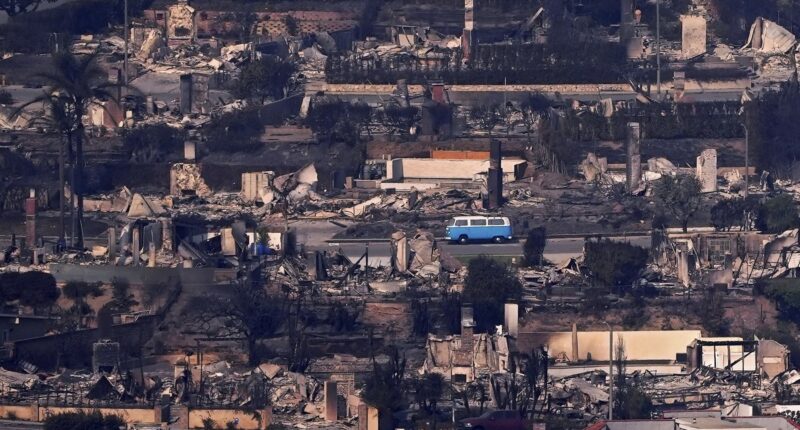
(467, 328)
(511, 319)
(30, 220)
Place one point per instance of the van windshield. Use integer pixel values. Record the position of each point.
(451, 223)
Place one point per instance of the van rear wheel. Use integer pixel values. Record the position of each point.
(463, 239)
(498, 239)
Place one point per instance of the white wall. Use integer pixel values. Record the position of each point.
(430, 168)
(639, 345)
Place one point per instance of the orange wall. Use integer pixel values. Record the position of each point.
(460, 155)
(223, 416)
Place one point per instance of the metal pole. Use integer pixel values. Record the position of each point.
(61, 197)
(610, 372)
(658, 47)
(746, 160)
(452, 393)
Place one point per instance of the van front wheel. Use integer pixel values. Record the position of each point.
(463, 239)
(499, 239)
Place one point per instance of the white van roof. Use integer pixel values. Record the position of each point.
(481, 217)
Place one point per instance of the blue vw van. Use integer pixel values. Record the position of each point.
(464, 229)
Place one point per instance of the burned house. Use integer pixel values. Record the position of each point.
(660, 351)
(466, 357)
(458, 169)
(186, 21)
(757, 357)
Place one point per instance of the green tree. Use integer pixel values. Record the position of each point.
(428, 390)
(728, 213)
(710, 309)
(121, 297)
(534, 368)
(777, 215)
(235, 131)
(263, 79)
(334, 120)
(533, 110)
(291, 25)
(774, 130)
(630, 401)
(534, 246)
(78, 83)
(486, 117)
(736, 16)
(153, 143)
(679, 196)
(246, 313)
(78, 291)
(15, 7)
(10, 286)
(786, 295)
(38, 290)
(614, 264)
(60, 118)
(384, 389)
(84, 421)
(401, 118)
(421, 317)
(489, 285)
(6, 98)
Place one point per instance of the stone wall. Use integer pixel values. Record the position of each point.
(139, 275)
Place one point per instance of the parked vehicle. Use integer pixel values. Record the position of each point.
(497, 420)
(470, 228)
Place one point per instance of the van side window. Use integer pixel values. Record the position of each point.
(461, 223)
(496, 221)
(478, 222)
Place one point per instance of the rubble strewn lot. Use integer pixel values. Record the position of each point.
(260, 227)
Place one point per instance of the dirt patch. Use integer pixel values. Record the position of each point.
(747, 316)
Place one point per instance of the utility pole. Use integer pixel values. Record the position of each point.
(746, 161)
(610, 371)
(61, 183)
(746, 99)
(452, 393)
(658, 47)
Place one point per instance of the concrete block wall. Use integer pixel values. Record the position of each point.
(244, 420)
(639, 345)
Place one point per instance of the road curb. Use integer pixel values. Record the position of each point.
(516, 238)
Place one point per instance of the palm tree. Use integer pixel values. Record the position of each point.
(77, 83)
(58, 116)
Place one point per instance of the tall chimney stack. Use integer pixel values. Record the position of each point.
(467, 328)
(494, 183)
(30, 220)
(633, 169)
(511, 319)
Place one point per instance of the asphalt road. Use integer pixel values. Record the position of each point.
(19, 425)
(470, 98)
(557, 249)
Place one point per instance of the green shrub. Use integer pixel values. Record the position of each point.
(615, 264)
